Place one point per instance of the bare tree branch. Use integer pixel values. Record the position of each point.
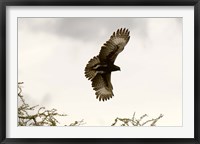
(40, 116)
(136, 122)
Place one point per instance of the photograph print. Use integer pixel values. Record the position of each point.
(103, 71)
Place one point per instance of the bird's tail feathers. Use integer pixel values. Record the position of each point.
(90, 73)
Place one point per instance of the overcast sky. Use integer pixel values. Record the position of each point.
(53, 52)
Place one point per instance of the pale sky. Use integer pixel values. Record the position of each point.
(53, 52)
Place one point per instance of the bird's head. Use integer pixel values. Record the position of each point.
(116, 68)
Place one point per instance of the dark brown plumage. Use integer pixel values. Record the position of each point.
(99, 68)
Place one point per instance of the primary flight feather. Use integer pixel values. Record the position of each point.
(99, 68)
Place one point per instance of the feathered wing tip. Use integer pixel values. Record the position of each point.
(120, 36)
(90, 73)
(104, 94)
(121, 31)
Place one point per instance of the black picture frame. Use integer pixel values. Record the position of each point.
(5, 3)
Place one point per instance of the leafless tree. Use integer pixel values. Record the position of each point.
(38, 116)
(136, 122)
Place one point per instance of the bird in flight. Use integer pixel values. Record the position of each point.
(99, 68)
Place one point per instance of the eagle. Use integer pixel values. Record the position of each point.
(99, 68)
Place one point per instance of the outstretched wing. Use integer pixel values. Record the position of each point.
(103, 87)
(114, 45)
(90, 72)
